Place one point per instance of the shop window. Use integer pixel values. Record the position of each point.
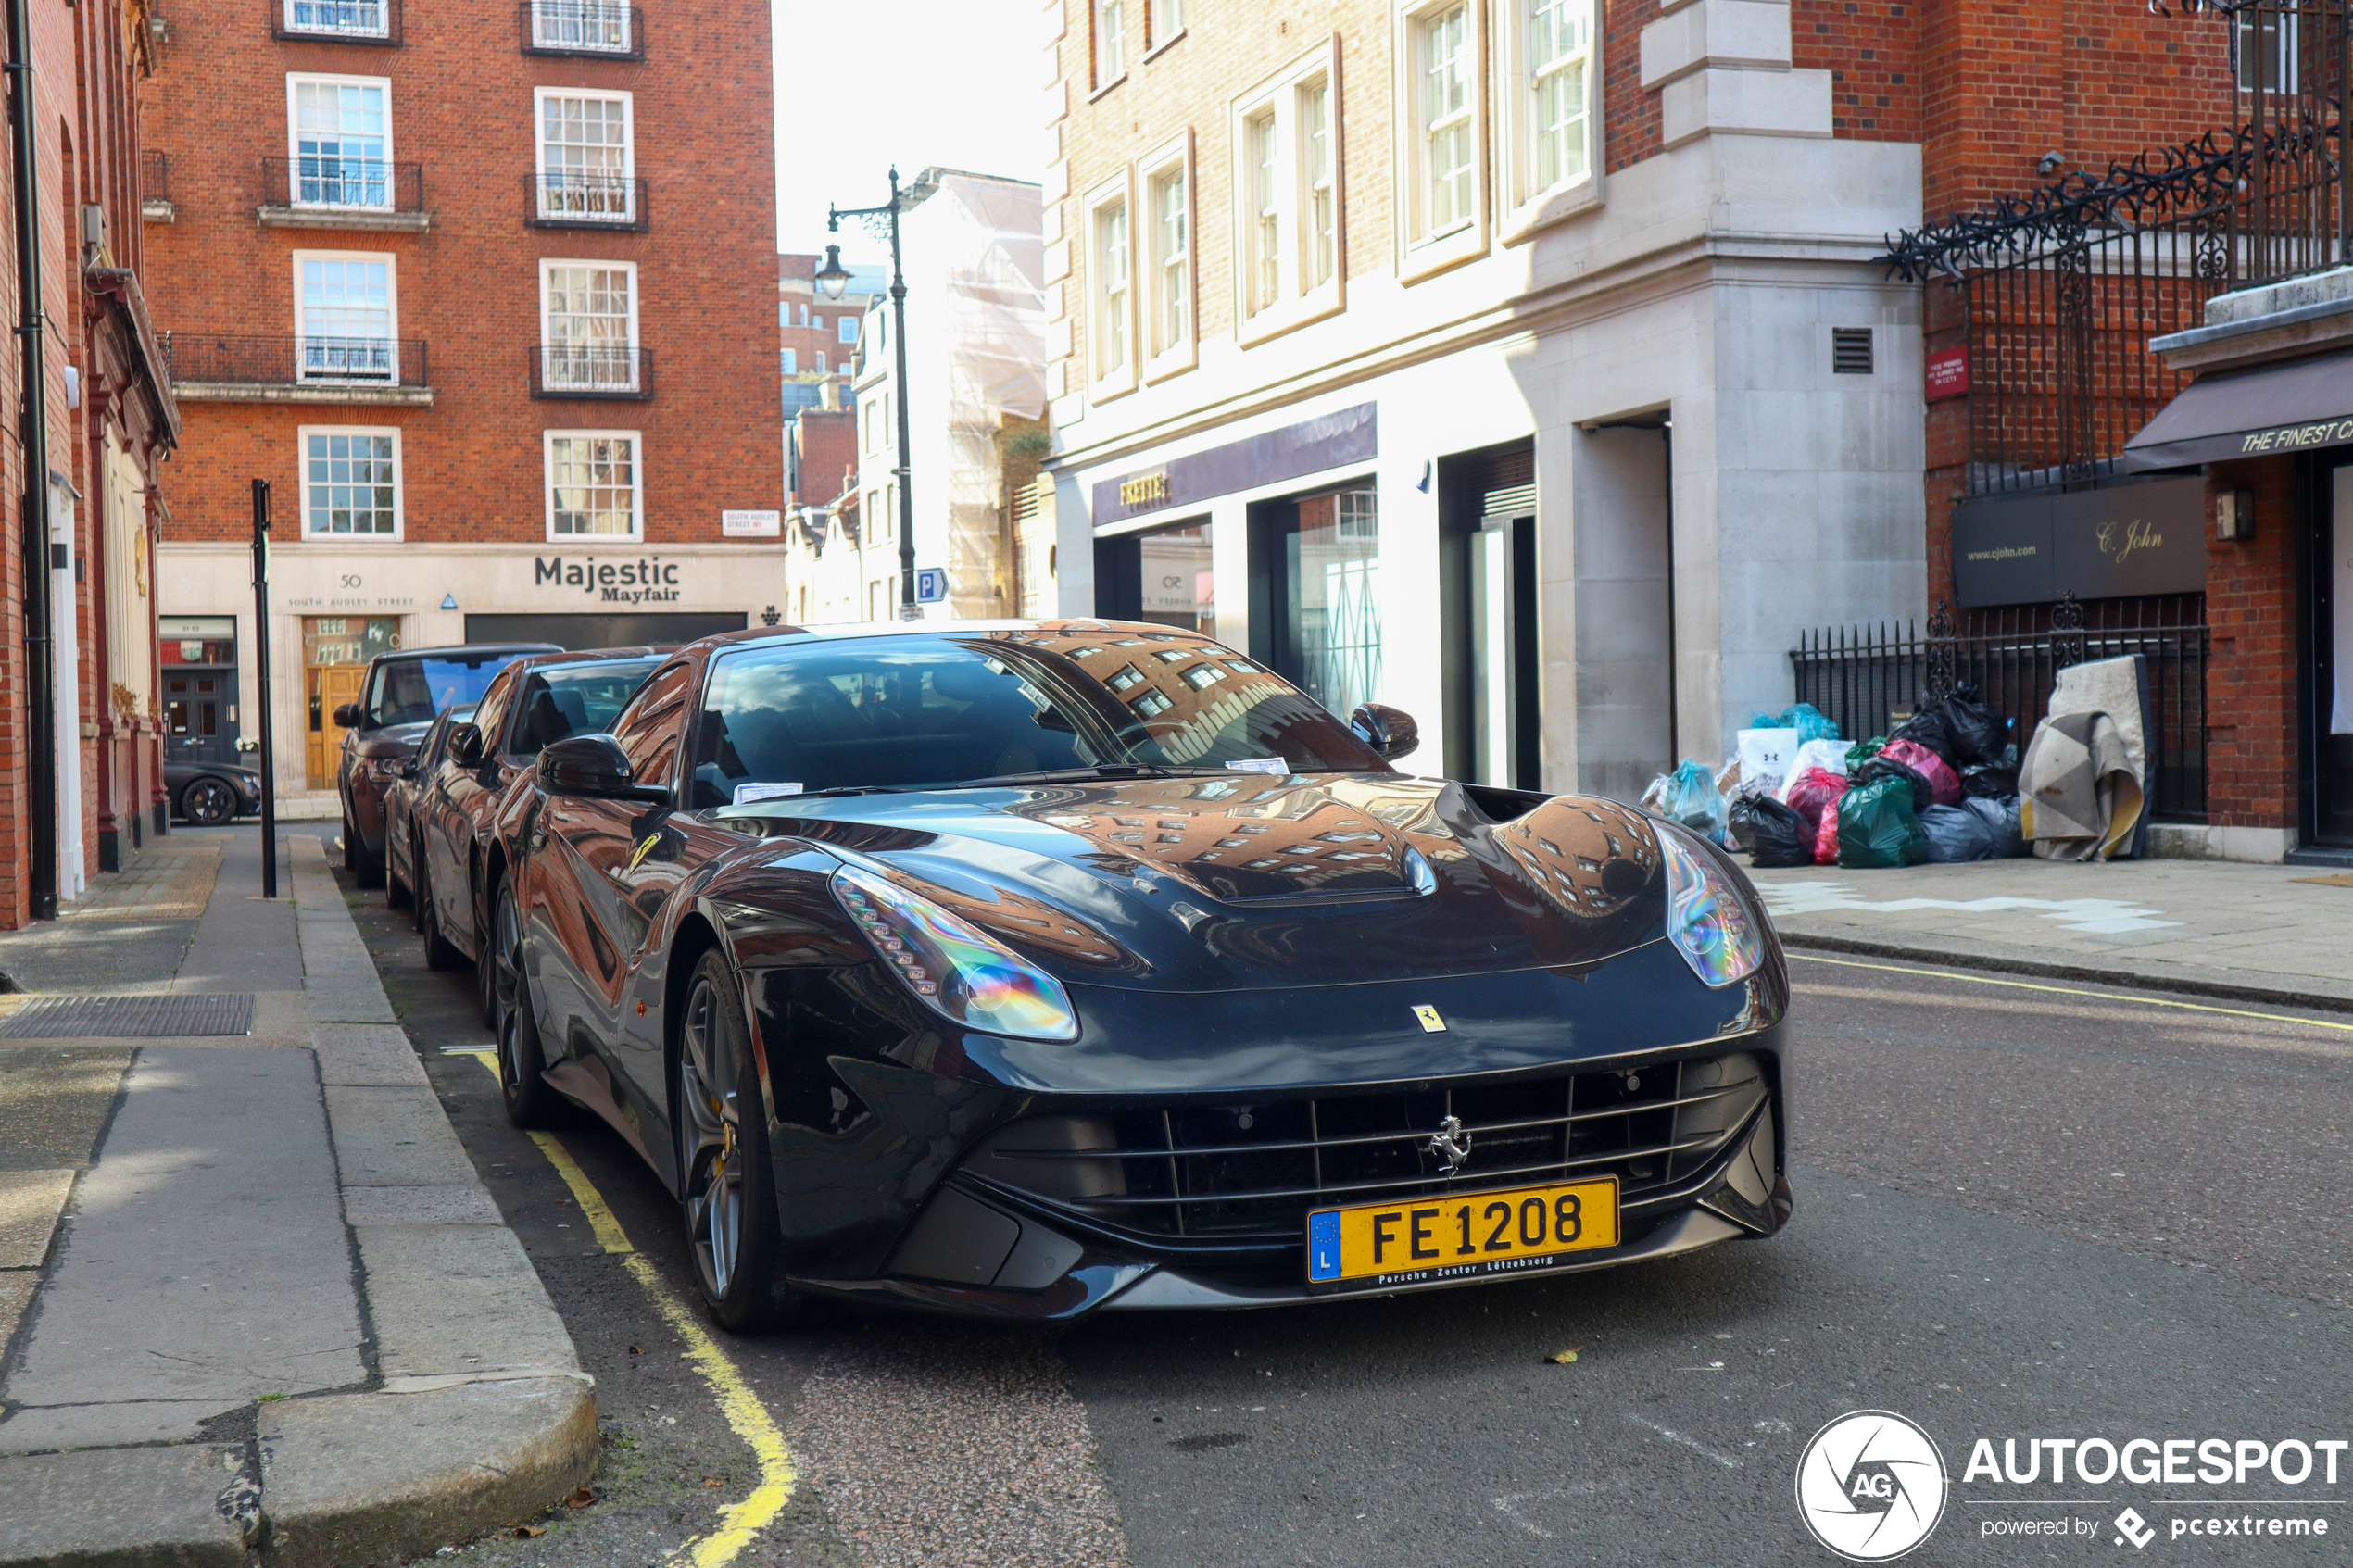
(1317, 618)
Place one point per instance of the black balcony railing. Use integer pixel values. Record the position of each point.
(559, 370)
(244, 359)
(340, 22)
(1871, 678)
(2056, 294)
(342, 184)
(155, 177)
(553, 200)
(597, 28)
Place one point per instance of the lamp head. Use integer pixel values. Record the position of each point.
(833, 277)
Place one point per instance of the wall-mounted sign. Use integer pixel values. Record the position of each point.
(646, 579)
(1314, 445)
(1948, 373)
(2109, 543)
(751, 525)
(931, 585)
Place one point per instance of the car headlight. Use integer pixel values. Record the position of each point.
(1710, 923)
(960, 973)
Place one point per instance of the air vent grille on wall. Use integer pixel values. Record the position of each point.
(1851, 351)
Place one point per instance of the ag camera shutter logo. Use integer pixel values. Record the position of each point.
(1871, 1486)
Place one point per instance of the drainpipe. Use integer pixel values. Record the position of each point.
(40, 692)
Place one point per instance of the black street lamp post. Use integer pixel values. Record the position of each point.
(834, 278)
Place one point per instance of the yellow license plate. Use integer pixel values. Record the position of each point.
(1461, 1236)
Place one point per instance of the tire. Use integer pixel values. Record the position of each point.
(725, 1187)
(486, 972)
(369, 870)
(439, 954)
(207, 802)
(522, 1088)
(351, 846)
(417, 889)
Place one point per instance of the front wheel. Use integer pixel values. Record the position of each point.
(522, 1085)
(440, 953)
(727, 1188)
(207, 802)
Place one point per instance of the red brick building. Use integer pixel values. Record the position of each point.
(481, 291)
(110, 425)
(2106, 334)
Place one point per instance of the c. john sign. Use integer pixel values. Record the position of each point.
(2109, 542)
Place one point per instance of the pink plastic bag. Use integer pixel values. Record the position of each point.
(1944, 784)
(1814, 797)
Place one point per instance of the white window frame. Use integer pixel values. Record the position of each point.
(1164, 24)
(399, 483)
(1173, 159)
(588, 14)
(302, 332)
(1527, 205)
(382, 29)
(628, 100)
(636, 361)
(294, 81)
(1296, 301)
(548, 440)
(1422, 253)
(846, 328)
(1107, 35)
(1105, 381)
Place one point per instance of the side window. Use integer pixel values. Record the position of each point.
(491, 716)
(649, 730)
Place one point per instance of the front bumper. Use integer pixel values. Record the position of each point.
(983, 1249)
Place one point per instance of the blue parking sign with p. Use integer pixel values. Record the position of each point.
(931, 584)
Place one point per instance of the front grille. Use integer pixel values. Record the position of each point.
(1250, 1173)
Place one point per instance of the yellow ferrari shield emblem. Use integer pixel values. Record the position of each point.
(1428, 1017)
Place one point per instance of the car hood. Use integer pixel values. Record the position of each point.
(1232, 882)
(393, 740)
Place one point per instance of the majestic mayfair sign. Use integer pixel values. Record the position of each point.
(2148, 538)
(1345, 435)
(646, 579)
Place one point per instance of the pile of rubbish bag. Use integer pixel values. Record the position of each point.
(1941, 786)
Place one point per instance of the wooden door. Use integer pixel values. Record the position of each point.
(331, 685)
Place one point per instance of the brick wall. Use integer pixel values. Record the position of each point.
(1629, 112)
(462, 106)
(2253, 608)
(828, 456)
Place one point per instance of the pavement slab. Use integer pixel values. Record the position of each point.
(132, 1508)
(394, 1137)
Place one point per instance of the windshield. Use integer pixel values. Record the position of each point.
(909, 711)
(410, 691)
(572, 700)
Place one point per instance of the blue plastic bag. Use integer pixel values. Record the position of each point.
(1689, 795)
(1804, 718)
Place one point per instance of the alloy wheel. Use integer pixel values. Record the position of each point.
(504, 960)
(710, 1155)
(207, 802)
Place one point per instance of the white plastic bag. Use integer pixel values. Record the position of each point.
(1826, 754)
(1767, 751)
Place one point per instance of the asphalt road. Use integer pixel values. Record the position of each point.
(2022, 1211)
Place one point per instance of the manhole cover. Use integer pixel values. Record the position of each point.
(59, 1018)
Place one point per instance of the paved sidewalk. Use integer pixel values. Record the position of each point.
(256, 1308)
(2282, 934)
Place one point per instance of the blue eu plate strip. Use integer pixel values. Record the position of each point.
(1322, 1246)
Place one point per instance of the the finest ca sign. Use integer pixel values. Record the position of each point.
(1870, 1486)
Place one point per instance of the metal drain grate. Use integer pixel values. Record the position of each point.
(59, 1018)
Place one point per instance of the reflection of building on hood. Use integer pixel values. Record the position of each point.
(1183, 690)
(1590, 857)
(1279, 838)
(1028, 923)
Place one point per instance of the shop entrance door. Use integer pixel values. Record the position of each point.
(2333, 670)
(336, 650)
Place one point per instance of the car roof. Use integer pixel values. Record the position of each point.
(463, 651)
(851, 630)
(592, 656)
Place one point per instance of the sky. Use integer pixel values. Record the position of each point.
(860, 84)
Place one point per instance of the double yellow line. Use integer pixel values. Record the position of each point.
(2074, 991)
(737, 1403)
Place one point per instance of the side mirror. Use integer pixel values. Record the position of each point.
(346, 716)
(1389, 731)
(593, 767)
(465, 745)
(407, 769)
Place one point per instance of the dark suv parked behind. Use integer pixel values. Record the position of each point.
(401, 695)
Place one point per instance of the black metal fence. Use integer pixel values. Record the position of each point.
(2060, 291)
(155, 176)
(561, 200)
(1871, 678)
(342, 184)
(244, 360)
(579, 369)
(600, 28)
